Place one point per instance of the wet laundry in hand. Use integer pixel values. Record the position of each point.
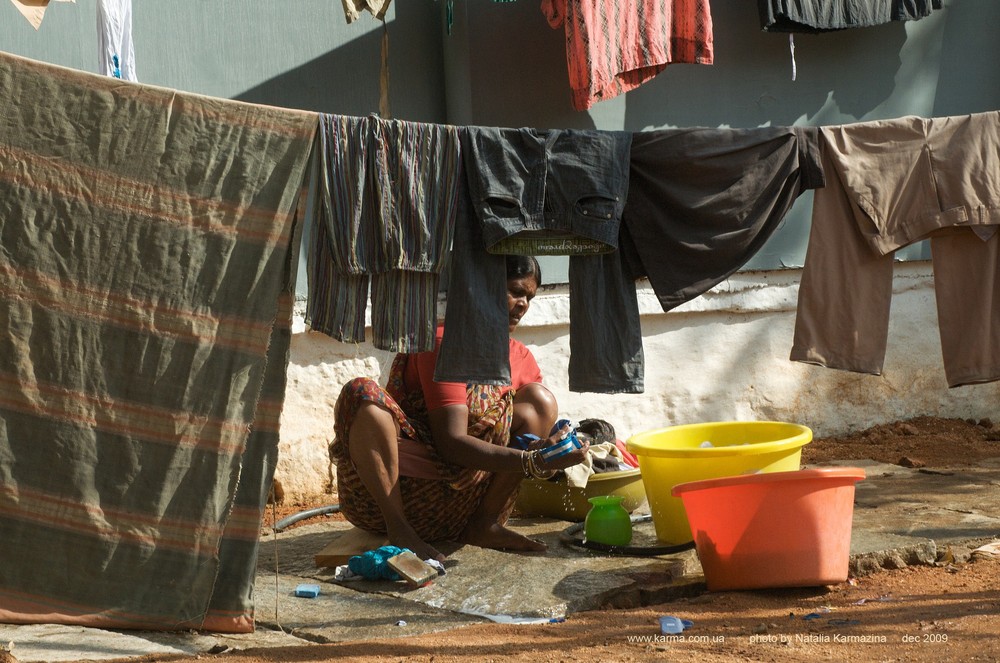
(567, 442)
(523, 441)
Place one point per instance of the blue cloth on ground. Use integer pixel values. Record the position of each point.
(374, 564)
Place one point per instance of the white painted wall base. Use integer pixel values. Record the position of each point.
(723, 356)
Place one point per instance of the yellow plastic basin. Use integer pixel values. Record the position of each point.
(678, 454)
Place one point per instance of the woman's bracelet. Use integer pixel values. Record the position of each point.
(535, 466)
(526, 464)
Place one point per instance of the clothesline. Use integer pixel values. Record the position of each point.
(706, 199)
(617, 202)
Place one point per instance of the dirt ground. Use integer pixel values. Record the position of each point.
(948, 612)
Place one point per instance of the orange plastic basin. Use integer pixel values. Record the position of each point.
(779, 529)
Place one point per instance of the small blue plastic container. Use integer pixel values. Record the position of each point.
(670, 625)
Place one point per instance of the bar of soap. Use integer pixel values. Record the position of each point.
(307, 591)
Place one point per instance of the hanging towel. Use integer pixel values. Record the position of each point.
(146, 288)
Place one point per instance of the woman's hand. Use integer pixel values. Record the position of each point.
(574, 457)
(448, 428)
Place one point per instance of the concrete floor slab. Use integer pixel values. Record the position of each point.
(341, 613)
(902, 516)
(60, 642)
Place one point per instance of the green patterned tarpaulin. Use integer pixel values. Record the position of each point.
(147, 248)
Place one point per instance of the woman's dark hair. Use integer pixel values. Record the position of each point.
(521, 266)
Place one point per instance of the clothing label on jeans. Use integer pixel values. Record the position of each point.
(550, 246)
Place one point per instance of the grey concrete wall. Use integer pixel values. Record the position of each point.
(300, 54)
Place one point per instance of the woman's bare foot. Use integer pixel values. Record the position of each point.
(498, 537)
(409, 539)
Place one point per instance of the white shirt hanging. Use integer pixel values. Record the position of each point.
(115, 50)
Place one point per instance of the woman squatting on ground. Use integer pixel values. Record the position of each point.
(425, 461)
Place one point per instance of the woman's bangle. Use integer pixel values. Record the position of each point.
(526, 464)
(535, 466)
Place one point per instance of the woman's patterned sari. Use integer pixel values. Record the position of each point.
(437, 509)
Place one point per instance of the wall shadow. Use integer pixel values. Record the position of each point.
(751, 83)
(518, 72)
(345, 80)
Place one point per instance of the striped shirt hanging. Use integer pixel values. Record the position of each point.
(613, 46)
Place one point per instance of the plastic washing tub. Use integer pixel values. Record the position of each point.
(781, 529)
(557, 499)
(678, 454)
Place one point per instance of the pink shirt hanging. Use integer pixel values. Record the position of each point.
(613, 46)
